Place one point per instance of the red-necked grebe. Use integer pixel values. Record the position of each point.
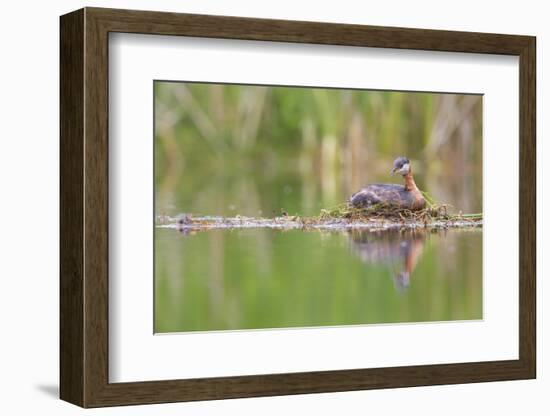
(406, 196)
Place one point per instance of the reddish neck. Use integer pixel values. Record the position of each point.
(409, 182)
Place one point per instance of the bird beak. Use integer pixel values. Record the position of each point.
(392, 171)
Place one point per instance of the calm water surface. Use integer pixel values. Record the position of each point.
(261, 278)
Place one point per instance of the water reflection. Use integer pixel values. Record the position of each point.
(265, 278)
(400, 250)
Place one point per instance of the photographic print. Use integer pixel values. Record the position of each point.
(294, 207)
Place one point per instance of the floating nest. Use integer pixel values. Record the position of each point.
(337, 218)
(431, 213)
(343, 216)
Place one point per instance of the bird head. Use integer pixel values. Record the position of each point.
(401, 166)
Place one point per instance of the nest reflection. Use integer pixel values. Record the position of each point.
(400, 250)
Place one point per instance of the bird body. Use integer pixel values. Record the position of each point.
(390, 194)
(406, 196)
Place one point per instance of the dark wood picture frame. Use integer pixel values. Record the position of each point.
(84, 207)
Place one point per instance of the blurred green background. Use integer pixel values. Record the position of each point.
(229, 150)
(252, 150)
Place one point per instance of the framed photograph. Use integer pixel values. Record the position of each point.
(254, 207)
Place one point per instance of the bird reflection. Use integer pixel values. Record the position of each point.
(398, 249)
